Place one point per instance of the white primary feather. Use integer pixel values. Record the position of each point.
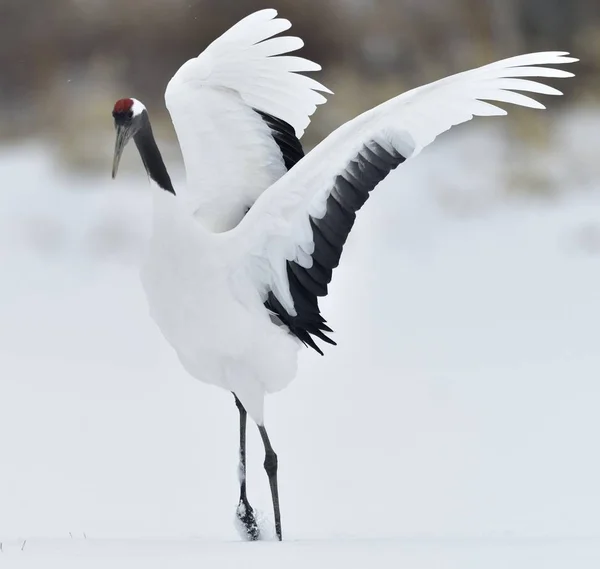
(229, 153)
(277, 228)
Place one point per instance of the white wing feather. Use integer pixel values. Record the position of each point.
(277, 228)
(229, 153)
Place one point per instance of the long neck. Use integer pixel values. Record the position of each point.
(151, 157)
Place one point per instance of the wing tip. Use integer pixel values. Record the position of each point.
(534, 59)
(564, 57)
(322, 89)
(269, 13)
(285, 24)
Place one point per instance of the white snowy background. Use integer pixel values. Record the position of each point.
(456, 424)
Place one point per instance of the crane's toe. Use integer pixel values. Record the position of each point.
(247, 526)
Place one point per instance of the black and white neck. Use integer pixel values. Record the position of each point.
(132, 121)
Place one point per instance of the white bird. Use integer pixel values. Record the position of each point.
(235, 267)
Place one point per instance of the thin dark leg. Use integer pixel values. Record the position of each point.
(244, 512)
(271, 468)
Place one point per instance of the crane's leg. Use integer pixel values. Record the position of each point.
(244, 511)
(270, 465)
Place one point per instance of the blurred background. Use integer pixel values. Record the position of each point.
(63, 62)
(466, 308)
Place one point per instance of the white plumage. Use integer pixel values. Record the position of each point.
(206, 290)
(230, 156)
(278, 228)
(234, 271)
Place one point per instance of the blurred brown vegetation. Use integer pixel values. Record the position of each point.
(64, 62)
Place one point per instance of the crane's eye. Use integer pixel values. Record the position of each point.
(122, 117)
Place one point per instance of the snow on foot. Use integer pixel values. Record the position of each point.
(246, 522)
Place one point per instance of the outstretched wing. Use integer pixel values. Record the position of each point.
(294, 234)
(239, 109)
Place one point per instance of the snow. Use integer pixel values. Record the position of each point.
(322, 554)
(455, 425)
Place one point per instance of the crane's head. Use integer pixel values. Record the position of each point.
(129, 116)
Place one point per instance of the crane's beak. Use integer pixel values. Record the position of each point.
(124, 133)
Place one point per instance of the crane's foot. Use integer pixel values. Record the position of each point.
(247, 526)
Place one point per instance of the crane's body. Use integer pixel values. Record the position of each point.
(235, 270)
(201, 295)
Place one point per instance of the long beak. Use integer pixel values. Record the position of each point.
(123, 136)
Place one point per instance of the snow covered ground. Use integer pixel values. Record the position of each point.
(456, 424)
(298, 554)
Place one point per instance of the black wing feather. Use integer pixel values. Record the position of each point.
(350, 191)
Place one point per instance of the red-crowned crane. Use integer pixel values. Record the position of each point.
(237, 263)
